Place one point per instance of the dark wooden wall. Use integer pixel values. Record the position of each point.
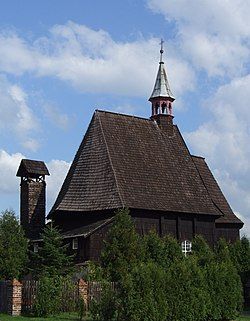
(67, 221)
(179, 225)
(229, 232)
(32, 212)
(96, 242)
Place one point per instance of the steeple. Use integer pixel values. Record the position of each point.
(162, 97)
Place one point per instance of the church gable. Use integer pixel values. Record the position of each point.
(90, 184)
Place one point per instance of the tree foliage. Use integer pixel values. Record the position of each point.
(13, 246)
(240, 256)
(52, 258)
(122, 250)
(155, 281)
(48, 297)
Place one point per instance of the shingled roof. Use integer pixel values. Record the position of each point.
(32, 167)
(126, 161)
(215, 192)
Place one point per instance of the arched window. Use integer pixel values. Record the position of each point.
(163, 107)
(186, 247)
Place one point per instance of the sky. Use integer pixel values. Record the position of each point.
(62, 59)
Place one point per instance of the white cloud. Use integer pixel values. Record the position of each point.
(58, 170)
(92, 61)
(16, 117)
(224, 141)
(31, 144)
(214, 34)
(9, 164)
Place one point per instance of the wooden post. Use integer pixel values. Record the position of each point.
(83, 291)
(14, 297)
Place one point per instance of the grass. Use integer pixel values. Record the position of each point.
(74, 317)
(245, 316)
(61, 317)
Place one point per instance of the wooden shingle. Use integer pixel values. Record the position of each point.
(30, 167)
(126, 161)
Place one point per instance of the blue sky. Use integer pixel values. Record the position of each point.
(61, 60)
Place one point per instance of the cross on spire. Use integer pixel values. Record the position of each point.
(161, 51)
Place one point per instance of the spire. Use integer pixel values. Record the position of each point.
(161, 97)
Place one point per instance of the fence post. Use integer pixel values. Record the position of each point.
(83, 291)
(14, 297)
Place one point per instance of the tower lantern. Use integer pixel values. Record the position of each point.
(162, 97)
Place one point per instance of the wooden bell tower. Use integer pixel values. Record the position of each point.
(32, 196)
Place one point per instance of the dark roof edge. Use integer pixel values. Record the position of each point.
(91, 232)
(120, 114)
(197, 156)
(233, 224)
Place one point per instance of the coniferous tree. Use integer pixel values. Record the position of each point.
(154, 248)
(202, 251)
(52, 258)
(172, 250)
(186, 293)
(122, 250)
(224, 284)
(240, 255)
(13, 247)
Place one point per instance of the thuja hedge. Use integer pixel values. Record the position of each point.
(156, 282)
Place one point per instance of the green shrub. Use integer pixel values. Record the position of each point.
(155, 281)
(149, 298)
(81, 309)
(186, 291)
(48, 297)
(13, 247)
(122, 250)
(106, 309)
(225, 289)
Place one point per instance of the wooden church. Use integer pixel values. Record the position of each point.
(130, 162)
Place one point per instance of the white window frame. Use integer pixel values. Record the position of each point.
(35, 247)
(186, 247)
(75, 243)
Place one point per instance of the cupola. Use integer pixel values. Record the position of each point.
(162, 98)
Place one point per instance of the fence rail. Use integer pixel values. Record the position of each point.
(70, 294)
(29, 291)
